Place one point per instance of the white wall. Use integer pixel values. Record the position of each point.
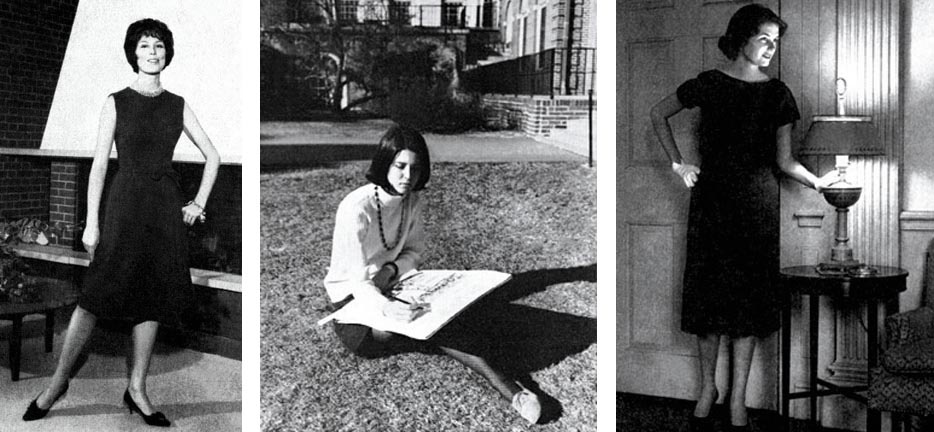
(206, 71)
(917, 218)
(918, 76)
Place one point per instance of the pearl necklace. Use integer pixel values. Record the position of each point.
(379, 213)
(149, 93)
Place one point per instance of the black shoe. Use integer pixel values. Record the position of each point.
(154, 419)
(743, 428)
(701, 424)
(36, 413)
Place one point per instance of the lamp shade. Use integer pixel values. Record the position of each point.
(842, 135)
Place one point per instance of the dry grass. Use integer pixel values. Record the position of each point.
(537, 221)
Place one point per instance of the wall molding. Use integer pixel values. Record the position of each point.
(917, 220)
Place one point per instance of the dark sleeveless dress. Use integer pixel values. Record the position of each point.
(140, 270)
(731, 272)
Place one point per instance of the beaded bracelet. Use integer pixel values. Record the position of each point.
(204, 215)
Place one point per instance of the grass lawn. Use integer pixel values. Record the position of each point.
(534, 220)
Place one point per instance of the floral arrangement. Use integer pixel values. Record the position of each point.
(13, 284)
(30, 230)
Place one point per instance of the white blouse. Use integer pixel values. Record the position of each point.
(358, 252)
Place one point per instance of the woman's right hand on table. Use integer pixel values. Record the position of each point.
(400, 311)
(90, 238)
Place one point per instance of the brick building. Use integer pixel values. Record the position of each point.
(542, 82)
(532, 26)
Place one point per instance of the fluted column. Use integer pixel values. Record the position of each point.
(868, 58)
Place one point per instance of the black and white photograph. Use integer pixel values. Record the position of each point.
(428, 194)
(120, 215)
(775, 220)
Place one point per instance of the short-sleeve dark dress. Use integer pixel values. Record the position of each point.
(731, 271)
(140, 269)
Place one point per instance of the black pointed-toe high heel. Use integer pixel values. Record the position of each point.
(33, 412)
(154, 419)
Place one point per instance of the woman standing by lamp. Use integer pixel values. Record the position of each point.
(730, 285)
(139, 250)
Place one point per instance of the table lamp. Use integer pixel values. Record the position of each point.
(842, 136)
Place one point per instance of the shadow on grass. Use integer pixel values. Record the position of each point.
(528, 339)
(277, 158)
(518, 339)
(533, 281)
(524, 339)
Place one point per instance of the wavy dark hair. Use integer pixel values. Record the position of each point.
(745, 24)
(396, 139)
(152, 28)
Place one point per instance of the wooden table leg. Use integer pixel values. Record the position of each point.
(786, 362)
(16, 338)
(813, 330)
(49, 329)
(873, 417)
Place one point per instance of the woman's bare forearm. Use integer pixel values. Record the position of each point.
(660, 113)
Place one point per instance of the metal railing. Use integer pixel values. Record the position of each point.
(555, 71)
(452, 15)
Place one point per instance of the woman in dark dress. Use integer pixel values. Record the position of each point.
(729, 288)
(139, 256)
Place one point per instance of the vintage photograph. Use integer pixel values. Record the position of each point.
(120, 216)
(774, 218)
(428, 215)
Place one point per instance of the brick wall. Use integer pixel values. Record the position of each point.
(219, 240)
(24, 188)
(541, 117)
(534, 115)
(33, 37)
(62, 201)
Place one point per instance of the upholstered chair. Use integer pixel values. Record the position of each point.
(903, 384)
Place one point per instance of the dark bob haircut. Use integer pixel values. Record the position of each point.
(152, 28)
(396, 139)
(745, 24)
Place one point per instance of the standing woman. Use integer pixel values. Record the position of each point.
(379, 236)
(139, 254)
(730, 285)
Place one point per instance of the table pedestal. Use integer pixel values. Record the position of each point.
(871, 289)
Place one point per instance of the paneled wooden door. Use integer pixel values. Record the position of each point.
(660, 44)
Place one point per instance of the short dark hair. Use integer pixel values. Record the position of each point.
(745, 24)
(396, 139)
(152, 28)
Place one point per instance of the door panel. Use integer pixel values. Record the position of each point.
(660, 44)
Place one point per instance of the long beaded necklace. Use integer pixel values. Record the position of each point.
(379, 214)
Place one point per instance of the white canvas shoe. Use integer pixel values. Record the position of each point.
(528, 405)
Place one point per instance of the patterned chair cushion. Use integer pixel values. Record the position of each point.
(908, 394)
(907, 327)
(912, 358)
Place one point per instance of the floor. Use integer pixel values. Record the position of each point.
(197, 391)
(650, 414)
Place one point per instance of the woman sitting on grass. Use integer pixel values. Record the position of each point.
(378, 236)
